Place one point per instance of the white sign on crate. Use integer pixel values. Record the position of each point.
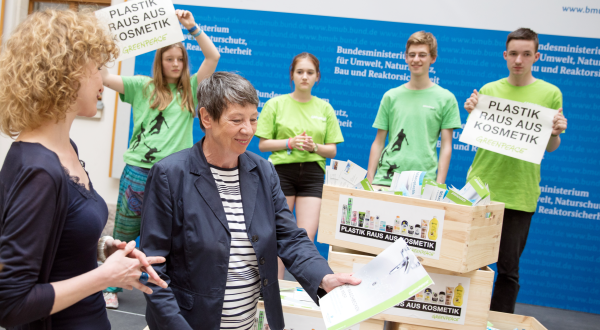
(141, 26)
(377, 223)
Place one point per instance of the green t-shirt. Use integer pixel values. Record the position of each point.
(156, 134)
(282, 117)
(414, 120)
(514, 182)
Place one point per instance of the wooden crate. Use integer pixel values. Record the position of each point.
(342, 260)
(369, 324)
(469, 241)
(501, 321)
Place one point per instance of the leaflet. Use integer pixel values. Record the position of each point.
(392, 277)
(353, 174)
(408, 182)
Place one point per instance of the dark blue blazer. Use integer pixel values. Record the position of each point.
(183, 220)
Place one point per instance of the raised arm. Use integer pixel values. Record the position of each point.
(211, 53)
(112, 81)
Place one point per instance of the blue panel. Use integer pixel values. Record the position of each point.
(560, 264)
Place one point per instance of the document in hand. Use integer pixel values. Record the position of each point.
(392, 277)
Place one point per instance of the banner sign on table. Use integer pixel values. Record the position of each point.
(377, 223)
(142, 26)
(511, 128)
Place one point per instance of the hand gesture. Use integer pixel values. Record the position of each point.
(332, 281)
(299, 141)
(309, 144)
(559, 123)
(123, 271)
(185, 18)
(471, 102)
(111, 246)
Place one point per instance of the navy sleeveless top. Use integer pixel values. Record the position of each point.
(76, 254)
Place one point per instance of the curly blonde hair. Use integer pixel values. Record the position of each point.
(43, 63)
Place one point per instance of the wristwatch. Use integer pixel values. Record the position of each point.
(316, 148)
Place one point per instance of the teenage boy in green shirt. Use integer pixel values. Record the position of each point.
(414, 114)
(512, 181)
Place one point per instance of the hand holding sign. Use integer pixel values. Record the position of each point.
(472, 101)
(559, 123)
(511, 128)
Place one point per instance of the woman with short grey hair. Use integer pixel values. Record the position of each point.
(217, 214)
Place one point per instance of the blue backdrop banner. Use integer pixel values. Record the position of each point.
(362, 59)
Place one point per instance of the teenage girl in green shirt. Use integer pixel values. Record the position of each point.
(163, 113)
(301, 131)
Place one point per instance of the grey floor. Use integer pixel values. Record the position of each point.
(130, 315)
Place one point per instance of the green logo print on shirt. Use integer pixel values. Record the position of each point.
(160, 119)
(392, 148)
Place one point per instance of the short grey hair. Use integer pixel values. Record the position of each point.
(222, 89)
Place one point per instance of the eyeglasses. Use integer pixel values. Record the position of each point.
(420, 55)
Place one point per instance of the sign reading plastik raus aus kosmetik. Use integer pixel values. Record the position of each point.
(141, 26)
(515, 129)
(377, 223)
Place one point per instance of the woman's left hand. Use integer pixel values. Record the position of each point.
(185, 18)
(332, 281)
(113, 245)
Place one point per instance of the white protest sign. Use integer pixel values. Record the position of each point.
(511, 128)
(141, 26)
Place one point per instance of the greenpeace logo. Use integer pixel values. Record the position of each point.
(581, 10)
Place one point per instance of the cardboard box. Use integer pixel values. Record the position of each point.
(468, 240)
(501, 321)
(473, 312)
(287, 311)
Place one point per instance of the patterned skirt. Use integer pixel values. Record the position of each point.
(129, 205)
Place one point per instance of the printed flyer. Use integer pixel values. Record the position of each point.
(377, 223)
(511, 128)
(392, 277)
(444, 301)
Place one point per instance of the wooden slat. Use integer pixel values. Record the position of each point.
(469, 239)
(480, 291)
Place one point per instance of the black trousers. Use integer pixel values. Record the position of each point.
(515, 230)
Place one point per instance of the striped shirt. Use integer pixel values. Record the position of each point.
(243, 282)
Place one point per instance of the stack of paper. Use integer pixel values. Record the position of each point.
(414, 184)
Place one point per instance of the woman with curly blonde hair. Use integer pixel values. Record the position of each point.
(51, 218)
